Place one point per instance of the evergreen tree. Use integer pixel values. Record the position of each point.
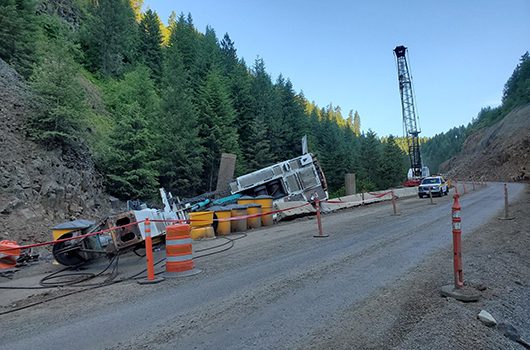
(240, 88)
(136, 6)
(260, 148)
(357, 124)
(180, 150)
(370, 161)
(132, 166)
(517, 88)
(391, 169)
(217, 130)
(109, 37)
(62, 108)
(18, 34)
(150, 47)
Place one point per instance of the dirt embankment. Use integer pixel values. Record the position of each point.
(500, 152)
(39, 188)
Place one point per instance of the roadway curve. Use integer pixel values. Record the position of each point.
(272, 290)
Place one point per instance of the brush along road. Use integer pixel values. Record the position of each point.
(276, 288)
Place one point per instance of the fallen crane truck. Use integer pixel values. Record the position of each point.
(124, 234)
(297, 179)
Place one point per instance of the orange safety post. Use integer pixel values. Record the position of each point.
(457, 243)
(179, 251)
(319, 220)
(149, 256)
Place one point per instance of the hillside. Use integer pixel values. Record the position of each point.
(496, 153)
(39, 188)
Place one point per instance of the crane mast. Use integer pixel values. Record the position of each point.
(410, 121)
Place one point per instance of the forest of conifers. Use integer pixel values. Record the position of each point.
(156, 104)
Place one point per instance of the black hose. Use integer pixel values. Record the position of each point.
(109, 281)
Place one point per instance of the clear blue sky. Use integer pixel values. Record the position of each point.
(461, 52)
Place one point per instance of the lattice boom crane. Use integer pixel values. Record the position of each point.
(411, 128)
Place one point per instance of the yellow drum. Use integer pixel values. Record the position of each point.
(222, 227)
(238, 225)
(246, 200)
(202, 232)
(254, 209)
(201, 218)
(266, 206)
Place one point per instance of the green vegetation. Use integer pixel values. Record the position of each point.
(18, 34)
(516, 93)
(158, 104)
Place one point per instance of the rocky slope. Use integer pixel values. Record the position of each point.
(39, 188)
(500, 152)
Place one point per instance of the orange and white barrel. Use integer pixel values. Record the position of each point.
(9, 251)
(179, 251)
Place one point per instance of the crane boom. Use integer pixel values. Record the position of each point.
(410, 120)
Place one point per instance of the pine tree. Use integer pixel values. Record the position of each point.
(391, 169)
(370, 161)
(109, 38)
(357, 124)
(132, 165)
(265, 107)
(260, 148)
(217, 130)
(62, 107)
(136, 6)
(181, 164)
(150, 47)
(18, 34)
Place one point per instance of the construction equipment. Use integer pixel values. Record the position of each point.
(411, 128)
(296, 179)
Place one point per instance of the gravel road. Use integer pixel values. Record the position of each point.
(277, 288)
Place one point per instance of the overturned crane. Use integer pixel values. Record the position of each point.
(297, 179)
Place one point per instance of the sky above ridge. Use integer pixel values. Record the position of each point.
(460, 52)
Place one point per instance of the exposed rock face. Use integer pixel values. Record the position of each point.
(39, 188)
(500, 152)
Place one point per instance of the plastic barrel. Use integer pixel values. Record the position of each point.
(246, 200)
(266, 206)
(254, 209)
(202, 232)
(223, 227)
(179, 254)
(201, 218)
(238, 225)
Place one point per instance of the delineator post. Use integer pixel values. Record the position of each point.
(457, 242)
(319, 219)
(394, 209)
(506, 205)
(149, 256)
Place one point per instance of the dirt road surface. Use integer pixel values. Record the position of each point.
(280, 288)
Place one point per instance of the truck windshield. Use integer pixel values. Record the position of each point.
(430, 181)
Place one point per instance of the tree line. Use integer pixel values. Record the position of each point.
(156, 104)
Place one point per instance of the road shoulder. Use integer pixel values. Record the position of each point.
(411, 314)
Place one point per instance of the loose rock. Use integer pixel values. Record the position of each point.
(486, 318)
